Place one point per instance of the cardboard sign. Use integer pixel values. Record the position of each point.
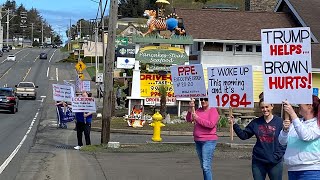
(230, 86)
(150, 82)
(188, 81)
(83, 104)
(286, 58)
(62, 92)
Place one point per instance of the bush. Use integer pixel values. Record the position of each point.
(223, 122)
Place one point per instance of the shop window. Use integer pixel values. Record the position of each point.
(239, 48)
(249, 48)
(229, 47)
(211, 46)
(258, 48)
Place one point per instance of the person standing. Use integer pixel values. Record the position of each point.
(302, 137)
(205, 134)
(83, 125)
(119, 95)
(267, 152)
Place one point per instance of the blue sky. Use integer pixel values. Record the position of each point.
(59, 12)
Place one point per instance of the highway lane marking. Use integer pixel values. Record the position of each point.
(13, 54)
(36, 59)
(52, 55)
(48, 71)
(57, 76)
(5, 73)
(9, 159)
(26, 74)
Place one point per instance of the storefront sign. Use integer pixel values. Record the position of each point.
(162, 55)
(150, 82)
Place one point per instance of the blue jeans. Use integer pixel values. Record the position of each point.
(260, 170)
(205, 150)
(304, 175)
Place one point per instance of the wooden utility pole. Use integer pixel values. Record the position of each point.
(108, 73)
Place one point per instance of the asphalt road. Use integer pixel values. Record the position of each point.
(15, 139)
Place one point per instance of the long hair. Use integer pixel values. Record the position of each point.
(316, 107)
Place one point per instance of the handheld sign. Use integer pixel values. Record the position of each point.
(83, 104)
(188, 81)
(286, 58)
(230, 86)
(62, 92)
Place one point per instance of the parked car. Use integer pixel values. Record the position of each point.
(8, 99)
(43, 56)
(26, 90)
(1, 53)
(5, 48)
(11, 57)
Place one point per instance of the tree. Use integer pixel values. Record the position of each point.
(163, 100)
(57, 40)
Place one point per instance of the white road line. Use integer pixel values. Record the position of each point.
(24, 78)
(52, 55)
(48, 71)
(57, 77)
(8, 160)
(36, 59)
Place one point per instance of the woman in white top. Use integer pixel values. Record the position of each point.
(302, 137)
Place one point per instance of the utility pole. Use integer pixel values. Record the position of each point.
(42, 33)
(8, 20)
(32, 33)
(102, 37)
(1, 29)
(108, 73)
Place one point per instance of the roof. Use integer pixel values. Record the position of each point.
(308, 15)
(231, 25)
(6, 88)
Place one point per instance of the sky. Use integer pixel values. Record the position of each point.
(59, 12)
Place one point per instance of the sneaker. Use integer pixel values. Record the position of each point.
(77, 147)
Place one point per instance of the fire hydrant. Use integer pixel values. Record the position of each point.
(157, 124)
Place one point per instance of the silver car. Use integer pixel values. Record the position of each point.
(26, 90)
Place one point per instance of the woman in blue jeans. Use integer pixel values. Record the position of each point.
(205, 134)
(267, 152)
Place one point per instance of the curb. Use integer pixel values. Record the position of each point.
(150, 132)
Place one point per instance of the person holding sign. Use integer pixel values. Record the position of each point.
(205, 133)
(302, 137)
(267, 152)
(83, 125)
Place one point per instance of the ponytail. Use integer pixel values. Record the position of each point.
(316, 107)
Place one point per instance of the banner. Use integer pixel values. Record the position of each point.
(66, 116)
(150, 82)
(83, 104)
(188, 81)
(152, 101)
(62, 92)
(230, 86)
(287, 69)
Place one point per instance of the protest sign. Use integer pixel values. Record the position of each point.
(230, 86)
(286, 58)
(188, 81)
(85, 86)
(83, 104)
(62, 92)
(153, 101)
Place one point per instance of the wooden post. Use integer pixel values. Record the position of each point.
(231, 125)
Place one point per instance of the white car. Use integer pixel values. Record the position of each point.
(11, 57)
(26, 89)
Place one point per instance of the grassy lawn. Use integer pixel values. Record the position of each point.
(92, 70)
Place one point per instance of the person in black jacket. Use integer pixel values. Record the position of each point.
(267, 152)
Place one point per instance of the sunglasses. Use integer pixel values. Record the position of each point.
(203, 99)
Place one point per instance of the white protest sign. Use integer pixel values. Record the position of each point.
(85, 86)
(62, 92)
(68, 83)
(286, 58)
(83, 104)
(188, 81)
(230, 86)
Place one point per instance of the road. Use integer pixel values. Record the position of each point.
(15, 139)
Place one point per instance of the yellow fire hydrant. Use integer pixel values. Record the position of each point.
(157, 124)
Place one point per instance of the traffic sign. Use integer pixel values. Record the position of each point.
(80, 66)
(81, 76)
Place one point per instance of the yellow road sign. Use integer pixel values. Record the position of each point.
(81, 76)
(80, 66)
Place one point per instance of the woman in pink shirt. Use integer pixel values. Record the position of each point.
(205, 133)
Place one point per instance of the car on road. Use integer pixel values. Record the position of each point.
(8, 99)
(26, 90)
(43, 56)
(11, 57)
(1, 53)
(6, 48)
